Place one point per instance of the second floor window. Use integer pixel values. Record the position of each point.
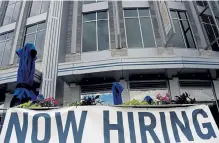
(209, 25)
(183, 36)
(35, 34)
(5, 48)
(138, 26)
(12, 12)
(39, 7)
(95, 32)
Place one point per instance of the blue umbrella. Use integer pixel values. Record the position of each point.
(25, 74)
(117, 93)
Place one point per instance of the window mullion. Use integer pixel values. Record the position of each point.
(140, 29)
(181, 29)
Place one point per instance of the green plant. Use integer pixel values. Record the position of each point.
(184, 99)
(135, 102)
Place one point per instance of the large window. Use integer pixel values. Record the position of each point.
(138, 28)
(183, 36)
(209, 24)
(140, 89)
(39, 7)
(12, 12)
(95, 31)
(201, 90)
(5, 48)
(36, 35)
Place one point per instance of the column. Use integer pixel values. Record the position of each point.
(8, 98)
(72, 93)
(174, 87)
(125, 93)
(51, 48)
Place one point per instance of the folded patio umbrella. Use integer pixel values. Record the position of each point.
(25, 75)
(117, 93)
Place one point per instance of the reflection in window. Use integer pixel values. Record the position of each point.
(39, 7)
(36, 35)
(183, 36)
(105, 98)
(139, 31)
(200, 90)
(209, 25)
(140, 89)
(95, 32)
(5, 48)
(12, 12)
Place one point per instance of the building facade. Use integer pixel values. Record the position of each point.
(85, 46)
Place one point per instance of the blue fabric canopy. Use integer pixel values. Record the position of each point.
(117, 93)
(25, 74)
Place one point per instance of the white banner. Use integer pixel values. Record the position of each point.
(104, 124)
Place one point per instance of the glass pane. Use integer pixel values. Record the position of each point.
(211, 20)
(177, 39)
(215, 31)
(133, 33)
(102, 15)
(30, 39)
(10, 35)
(146, 28)
(8, 14)
(31, 29)
(205, 18)
(3, 37)
(185, 24)
(89, 16)
(7, 53)
(16, 12)
(41, 26)
(103, 35)
(35, 8)
(173, 14)
(210, 32)
(39, 44)
(189, 37)
(45, 7)
(105, 98)
(200, 94)
(89, 37)
(130, 13)
(143, 12)
(182, 15)
(142, 93)
(215, 47)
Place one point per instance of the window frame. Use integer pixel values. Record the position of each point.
(96, 21)
(39, 11)
(5, 41)
(35, 32)
(200, 14)
(179, 20)
(8, 4)
(139, 22)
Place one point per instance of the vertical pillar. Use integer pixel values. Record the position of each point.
(74, 27)
(8, 98)
(174, 87)
(71, 94)
(50, 55)
(125, 93)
